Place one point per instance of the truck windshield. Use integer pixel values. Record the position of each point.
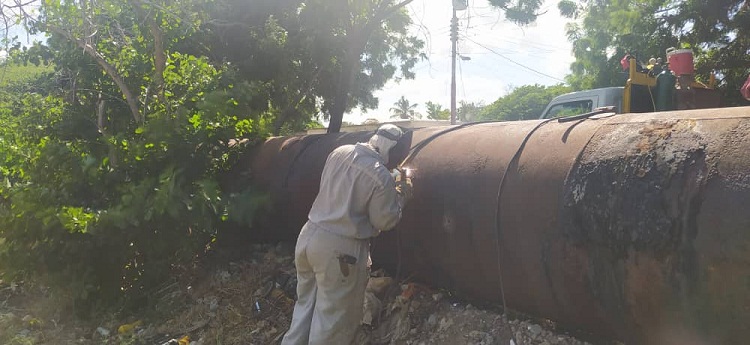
(569, 109)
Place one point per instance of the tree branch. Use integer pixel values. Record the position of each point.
(108, 68)
(228, 24)
(380, 16)
(160, 56)
(100, 107)
(291, 108)
(19, 4)
(89, 50)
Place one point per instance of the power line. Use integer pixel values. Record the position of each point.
(528, 42)
(425, 31)
(512, 61)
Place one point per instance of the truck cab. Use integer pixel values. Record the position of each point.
(582, 102)
(643, 93)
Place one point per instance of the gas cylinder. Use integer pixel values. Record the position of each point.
(665, 83)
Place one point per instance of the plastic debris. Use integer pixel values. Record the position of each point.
(182, 341)
(102, 332)
(129, 327)
(372, 308)
(400, 312)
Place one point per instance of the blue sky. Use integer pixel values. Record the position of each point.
(491, 43)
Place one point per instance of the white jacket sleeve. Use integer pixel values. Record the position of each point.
(385, 207)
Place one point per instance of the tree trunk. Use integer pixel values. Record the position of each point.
(351, 64)
(340, 100)
(357, 41)
(348, 72)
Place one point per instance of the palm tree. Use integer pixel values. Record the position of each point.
(402, 109)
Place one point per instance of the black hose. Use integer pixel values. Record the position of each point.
(420, 145)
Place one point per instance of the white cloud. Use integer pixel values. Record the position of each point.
(491, 43)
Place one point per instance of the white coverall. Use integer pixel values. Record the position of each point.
(357, 200)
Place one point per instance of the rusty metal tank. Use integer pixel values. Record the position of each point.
(633, 227)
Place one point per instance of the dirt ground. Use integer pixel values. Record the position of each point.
(251, 301)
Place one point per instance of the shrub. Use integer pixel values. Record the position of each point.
(108, 210)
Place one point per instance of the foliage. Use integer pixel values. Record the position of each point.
(105, 197)
(264, 42)
(609, 30)
(518, 11)
(314, 124)
(14, 74)
(402, 109)
(717, 32)
(522, 103)
(317, 56)
(435, 111)
(112, 157)
(469, 111)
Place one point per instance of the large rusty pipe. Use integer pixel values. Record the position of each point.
(634, 227)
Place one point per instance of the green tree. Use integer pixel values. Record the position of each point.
(719, 33)
(435, 111)
(518, 11)
(266, 43)
(716, 31)
(609, 30)
(402, 109)
(112, 163)
(317, 56)
(468, 111)
(373, 41)
(522, 103)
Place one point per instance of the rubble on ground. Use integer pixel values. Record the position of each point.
(251, 302)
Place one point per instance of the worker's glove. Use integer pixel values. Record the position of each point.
(396, 175)
(404, 188)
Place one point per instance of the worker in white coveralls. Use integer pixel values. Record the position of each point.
(358, 199)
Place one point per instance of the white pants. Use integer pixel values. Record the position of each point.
(332, 274)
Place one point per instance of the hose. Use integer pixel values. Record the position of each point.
(419, 146)
(413, 151)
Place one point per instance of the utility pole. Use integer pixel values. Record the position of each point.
(458, 5)
(454, 40)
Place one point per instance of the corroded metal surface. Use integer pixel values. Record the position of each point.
(633, 227)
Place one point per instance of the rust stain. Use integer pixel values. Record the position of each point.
(659, 131)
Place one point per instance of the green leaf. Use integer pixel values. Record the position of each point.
(76, 220)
